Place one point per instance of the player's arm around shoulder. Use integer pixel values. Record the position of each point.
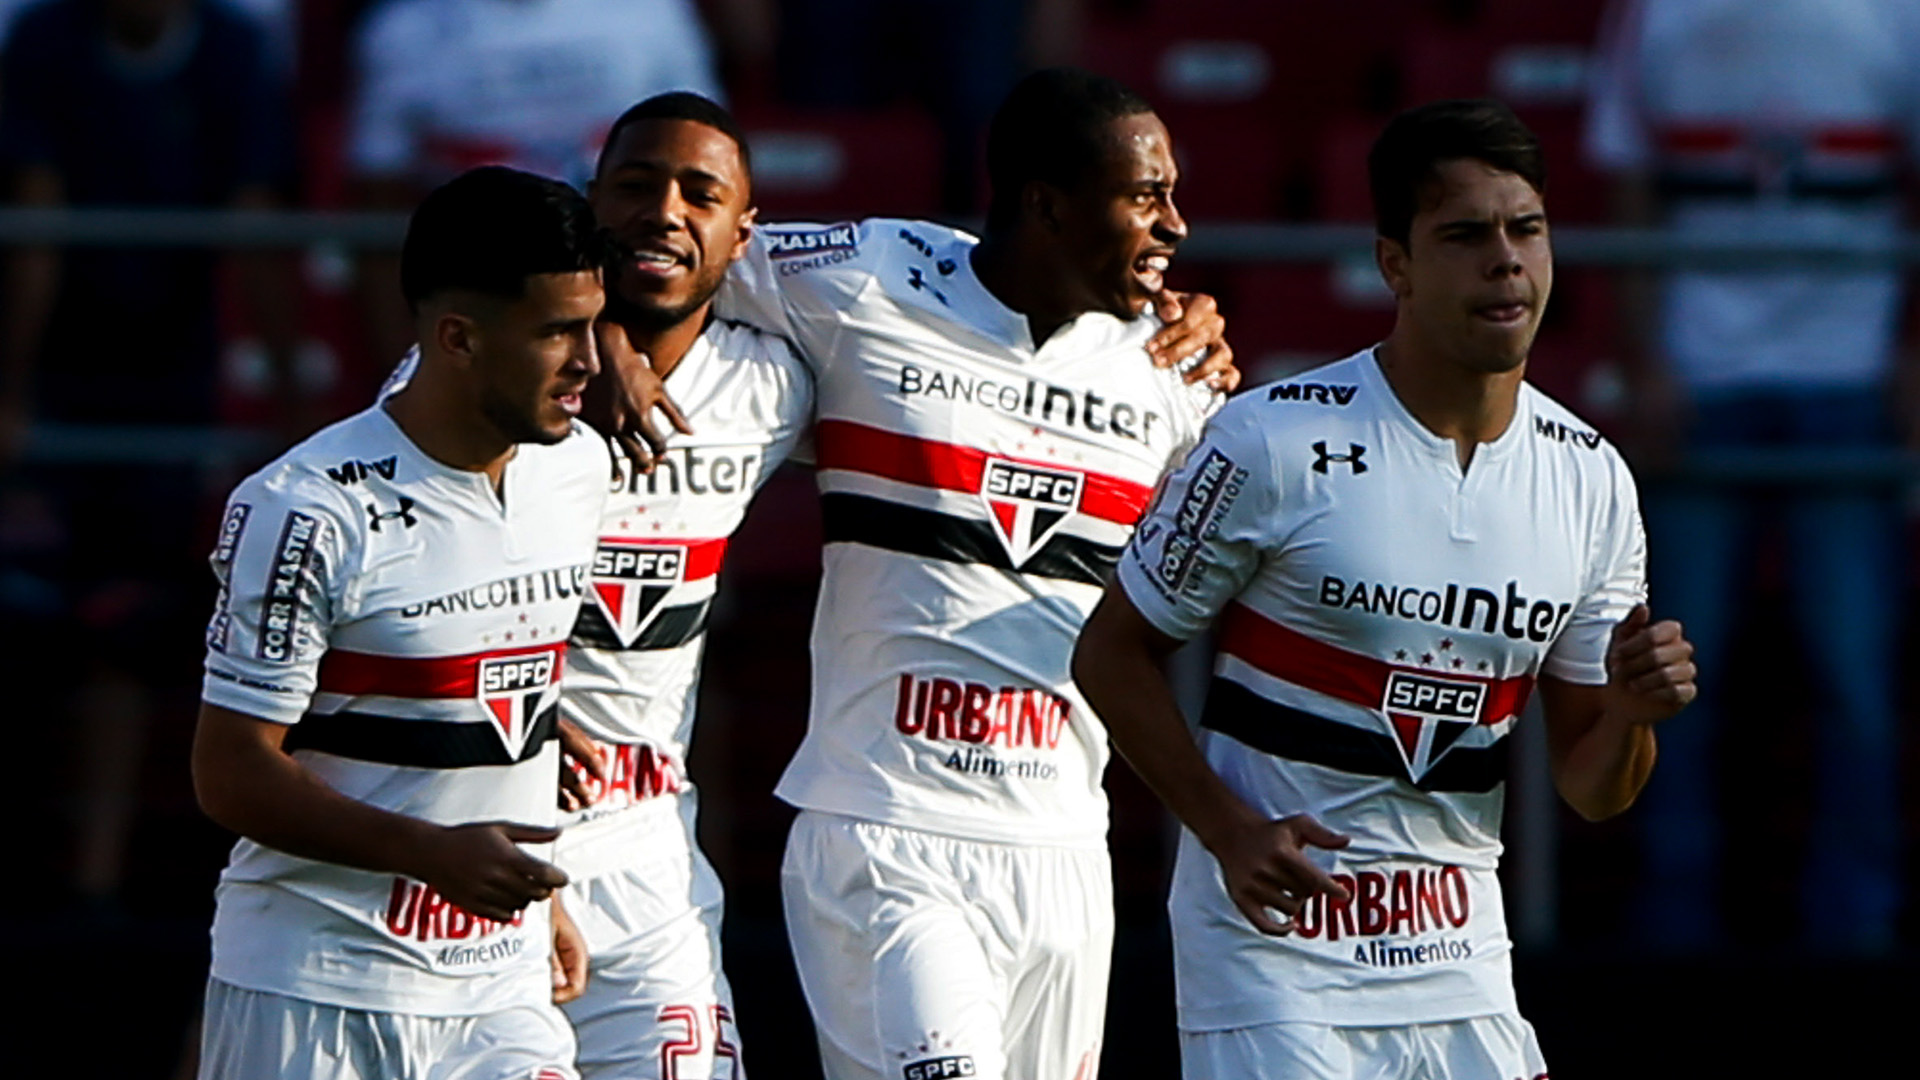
(795, 278)
(1614, 673)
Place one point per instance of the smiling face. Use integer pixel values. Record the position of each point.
(1474, 275)
(1118, 228)
(532, 357)
(676, 197)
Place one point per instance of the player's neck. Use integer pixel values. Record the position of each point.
(666, 341)
(444, 422)
(1026, 280)
(1447, 398)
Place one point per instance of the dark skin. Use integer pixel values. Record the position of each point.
(492, 374)
(1471, 281)
(1104, 245)
(677, 198)
(1099, 246)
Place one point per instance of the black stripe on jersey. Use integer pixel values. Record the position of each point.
(1290, 733)
(672, 628)
(419, 744)
(930, 534)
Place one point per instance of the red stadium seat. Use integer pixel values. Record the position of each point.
(840, 163)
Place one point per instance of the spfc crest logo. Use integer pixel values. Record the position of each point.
(1429, 715)
(630, 578)
(515, 690)
(1029, 503)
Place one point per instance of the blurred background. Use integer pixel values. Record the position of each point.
(205, 199)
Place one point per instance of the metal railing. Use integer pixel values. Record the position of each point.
(1237, 241)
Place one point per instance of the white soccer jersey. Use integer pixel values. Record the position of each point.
(410, 626)
(636, 656)
(1382, 616)
(976, 492)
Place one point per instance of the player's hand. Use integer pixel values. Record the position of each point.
(1193, 322)
(622, 401)
(481, 868)
(569, 957)
(580, 760)
(1267, 870)
(1650, 672)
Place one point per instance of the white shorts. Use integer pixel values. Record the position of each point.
(925, 957)
(657, 1006)
(1499, 1047)
(254, 1035)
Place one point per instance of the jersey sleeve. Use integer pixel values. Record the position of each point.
(282, 561)
(796, 280)
(1617, 583)
(1205, 535)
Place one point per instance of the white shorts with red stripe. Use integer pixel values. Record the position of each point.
(1499, 1047)
(253, 1035)
(925, 956)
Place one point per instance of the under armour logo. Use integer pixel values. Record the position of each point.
(919, 281)
(1351, 458)
(405, 514)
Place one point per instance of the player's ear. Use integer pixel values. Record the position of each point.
(743, 235)
(456, 335)
(1391, 257)
(1043, 201)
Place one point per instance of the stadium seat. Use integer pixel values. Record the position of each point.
(1283, 318)
(839, 163)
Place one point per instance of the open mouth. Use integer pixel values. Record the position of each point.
(569, 402)
(1150, 270)
(658, 262)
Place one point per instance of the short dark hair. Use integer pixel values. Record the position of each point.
(489, 229)
(1405, 158)
(679, 105)
(1051, 128)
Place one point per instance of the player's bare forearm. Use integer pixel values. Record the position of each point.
(247, 783)
(1600, 760)
(1600, 738)
(1117, 664)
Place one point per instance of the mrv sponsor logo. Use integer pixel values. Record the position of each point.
(630, 579)
(515, 691)
(1429, 714)
(1385, 905)
(1028, 503)
(1315, 392)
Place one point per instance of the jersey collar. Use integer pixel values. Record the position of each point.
(1499, 448)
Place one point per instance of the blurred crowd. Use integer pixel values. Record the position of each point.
(1794, 118)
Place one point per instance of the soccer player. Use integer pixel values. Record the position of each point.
(1395, 551)
(673, 186)
(382, 671)
(988, 432)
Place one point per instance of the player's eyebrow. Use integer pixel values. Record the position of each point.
(691, 172)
